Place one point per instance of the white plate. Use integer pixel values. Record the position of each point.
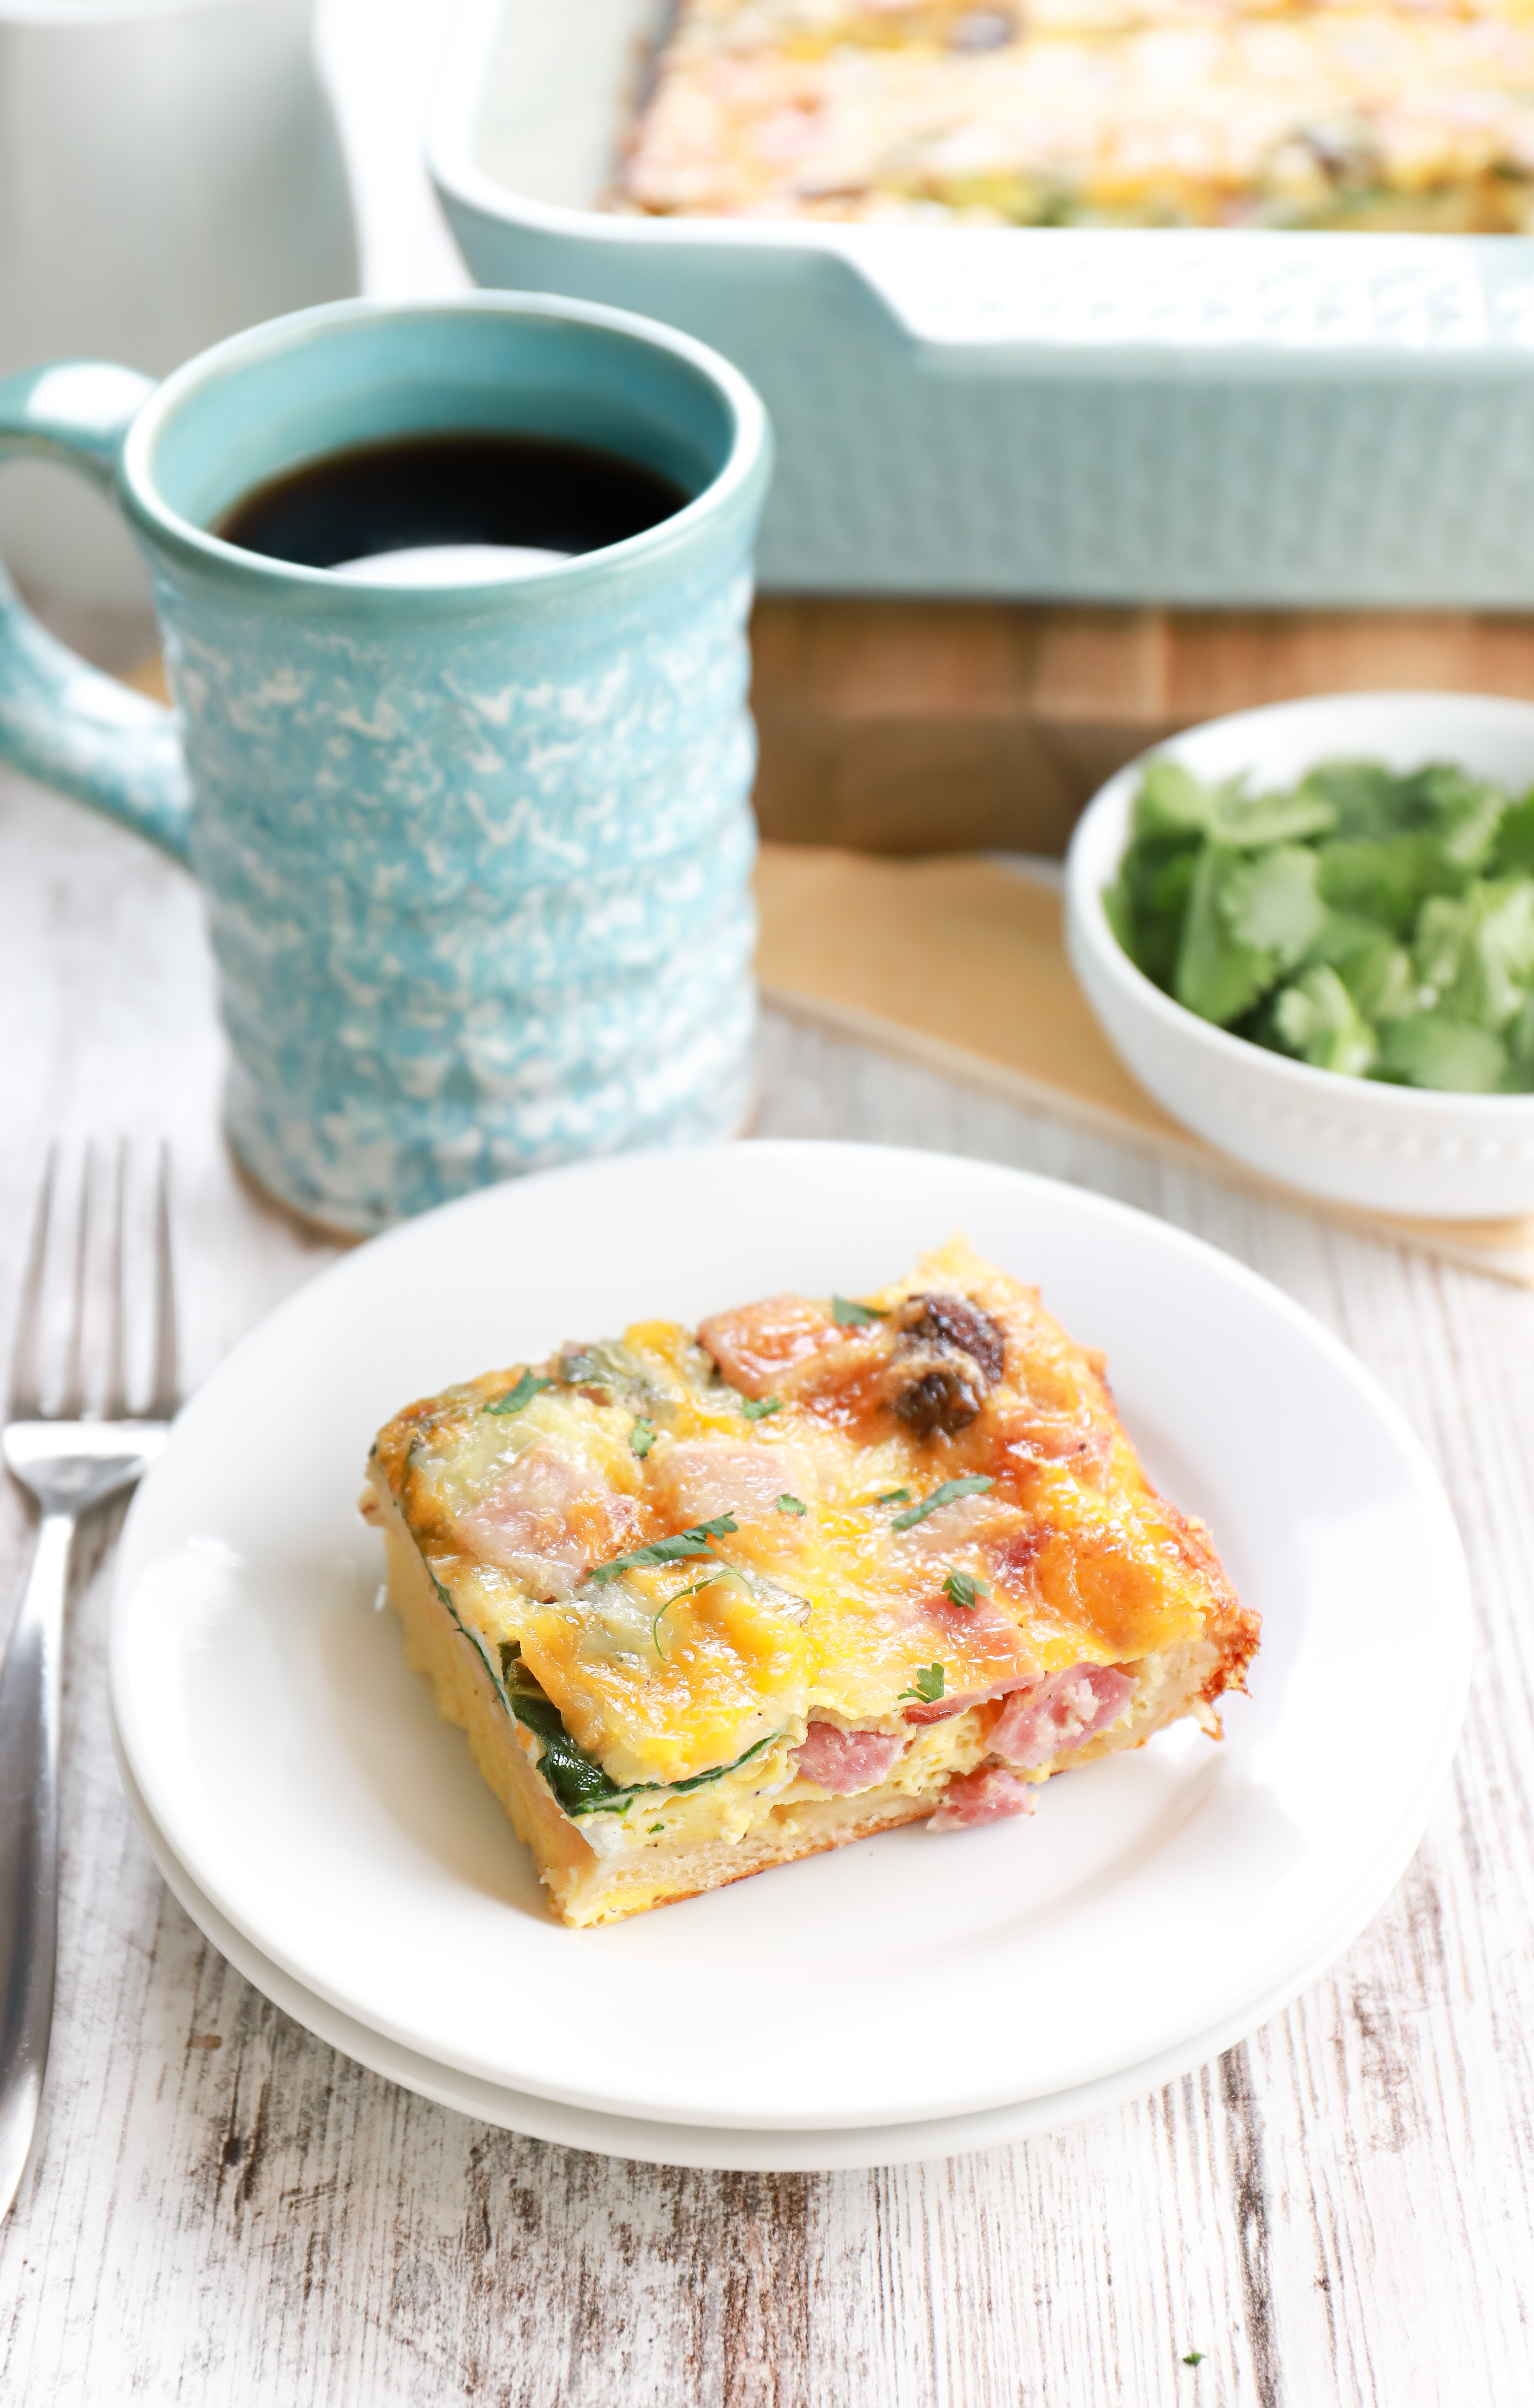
(301, 1776)
(666, 2144)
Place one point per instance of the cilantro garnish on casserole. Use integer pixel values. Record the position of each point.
(687, 1642)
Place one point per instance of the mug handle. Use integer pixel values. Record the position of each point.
(61, 722)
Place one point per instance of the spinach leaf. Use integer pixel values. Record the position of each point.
(530, 1384)
(580, 1784)
(577, 1780)
(611, 1368)
(497, 1680)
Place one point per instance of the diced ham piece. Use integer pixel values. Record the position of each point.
(844, 1762)
(546, 1519)
(983, 1521)
(945, 1707)
(1061, 1712)
(754, 1345)
(697, 1478)
(988, 1795)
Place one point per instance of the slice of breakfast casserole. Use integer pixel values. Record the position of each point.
(704, 1603)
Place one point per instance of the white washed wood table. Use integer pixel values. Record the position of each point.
(220, 2209)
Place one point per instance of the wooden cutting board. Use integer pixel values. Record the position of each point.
(894, 726)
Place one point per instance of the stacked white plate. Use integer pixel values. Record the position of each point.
(907, 1996)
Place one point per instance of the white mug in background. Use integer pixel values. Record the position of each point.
(170, 172)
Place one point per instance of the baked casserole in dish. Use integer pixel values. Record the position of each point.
(1106, 346)
(1324, 113)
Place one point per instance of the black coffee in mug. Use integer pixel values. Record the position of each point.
(430, 509)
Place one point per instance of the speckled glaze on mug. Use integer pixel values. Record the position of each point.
(474, 856)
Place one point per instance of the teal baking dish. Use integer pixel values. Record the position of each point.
(1227, 417)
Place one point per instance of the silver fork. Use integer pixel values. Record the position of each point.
(71, 1460)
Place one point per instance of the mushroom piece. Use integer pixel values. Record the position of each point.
(983, 29)
(949, 1354)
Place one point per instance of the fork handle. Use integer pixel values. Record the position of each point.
(30, 1681)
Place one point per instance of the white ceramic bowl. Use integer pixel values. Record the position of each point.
(1395, 1149)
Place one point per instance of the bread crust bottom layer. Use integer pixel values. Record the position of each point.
(585, 1888)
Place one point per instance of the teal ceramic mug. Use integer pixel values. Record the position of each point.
(475, 856)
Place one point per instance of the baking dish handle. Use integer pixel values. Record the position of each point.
(1274, 304)
(958, 294)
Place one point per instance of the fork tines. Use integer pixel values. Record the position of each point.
(95, 1332)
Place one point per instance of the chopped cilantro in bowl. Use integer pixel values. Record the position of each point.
(1367, 920)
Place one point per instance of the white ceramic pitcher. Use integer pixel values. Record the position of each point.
(169, 172)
